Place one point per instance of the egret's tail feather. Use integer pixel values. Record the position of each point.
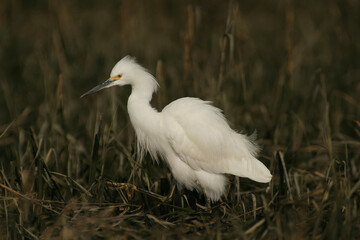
(251, 168)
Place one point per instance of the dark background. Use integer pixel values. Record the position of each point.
(288, 69)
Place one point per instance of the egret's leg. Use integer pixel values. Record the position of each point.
(143, 191)
(208, 202)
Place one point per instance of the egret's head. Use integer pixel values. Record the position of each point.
(126, 72)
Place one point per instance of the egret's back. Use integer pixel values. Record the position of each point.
(202, 138)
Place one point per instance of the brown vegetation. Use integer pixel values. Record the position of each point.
(289, 69)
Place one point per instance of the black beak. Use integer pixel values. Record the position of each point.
(98, 87)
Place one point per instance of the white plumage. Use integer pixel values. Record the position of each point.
(190, 135)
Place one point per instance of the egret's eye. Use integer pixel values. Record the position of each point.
(117, 77)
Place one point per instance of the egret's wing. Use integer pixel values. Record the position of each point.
(196, 131)
(200, 135)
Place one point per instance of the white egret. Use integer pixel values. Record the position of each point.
(190, 135)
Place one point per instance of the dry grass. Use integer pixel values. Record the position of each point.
(288, 69)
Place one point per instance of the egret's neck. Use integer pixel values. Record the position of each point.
(144, 118)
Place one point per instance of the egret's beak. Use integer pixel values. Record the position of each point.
(103, 85)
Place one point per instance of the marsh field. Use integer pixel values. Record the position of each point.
(288, 69)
